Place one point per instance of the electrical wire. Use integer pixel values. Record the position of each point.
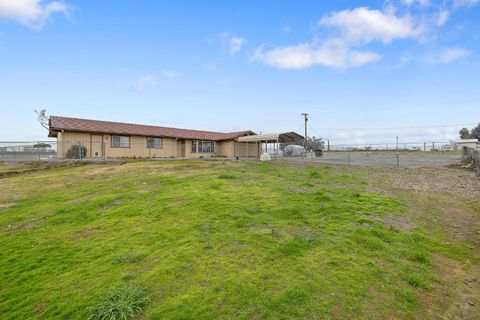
(399, 128)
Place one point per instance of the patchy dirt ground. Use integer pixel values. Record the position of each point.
(449, 180)
(446, 199)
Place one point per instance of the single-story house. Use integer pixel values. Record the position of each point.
(105, 139)
(466, 143)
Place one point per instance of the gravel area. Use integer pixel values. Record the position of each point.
(390, 159)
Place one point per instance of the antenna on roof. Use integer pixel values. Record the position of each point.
(42, 118)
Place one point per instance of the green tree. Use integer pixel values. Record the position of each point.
(475, 132)
(464, 133)
(470, 134)
(42, 145)
(314, 143)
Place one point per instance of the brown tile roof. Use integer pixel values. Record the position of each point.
(96, 126)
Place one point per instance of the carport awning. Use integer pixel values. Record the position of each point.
(273, 137)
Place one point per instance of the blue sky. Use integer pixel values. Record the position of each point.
(358, 68)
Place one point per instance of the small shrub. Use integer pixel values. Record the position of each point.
(122, 303)
(127, 257)
(76, 152)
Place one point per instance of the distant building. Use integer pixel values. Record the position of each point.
(447, 147)
(466, 143)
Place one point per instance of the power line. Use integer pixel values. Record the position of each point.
(397, 128)
(314, 131)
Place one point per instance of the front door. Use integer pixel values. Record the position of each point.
(96, 146)
(180, 148)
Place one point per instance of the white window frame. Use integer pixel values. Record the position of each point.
(206, 146)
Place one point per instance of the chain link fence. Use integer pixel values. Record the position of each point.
(28, 150)
(383, 155)
(413, 154)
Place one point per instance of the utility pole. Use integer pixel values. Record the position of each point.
(305, 116)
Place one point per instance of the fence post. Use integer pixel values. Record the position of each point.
(398, 160)
(349, 157)
(80, 150)
(38, 150)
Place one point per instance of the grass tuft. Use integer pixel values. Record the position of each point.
(127, 257)
(227, 176)
(122, 303)
(307, 237)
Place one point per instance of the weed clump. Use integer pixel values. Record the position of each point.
(127, 257)
(307, 237)
(122, 303)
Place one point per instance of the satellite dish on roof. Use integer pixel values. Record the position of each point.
(42, 118)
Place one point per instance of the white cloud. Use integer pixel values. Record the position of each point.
(32, 13)
(305, 55)
(465, 3)
(362, 25)
(442, 17)
(144, 82)
(170, 74)
(422, 3)
(286, 29)
(235, 44)
(352, 29)
(404, 60)
(452, 54)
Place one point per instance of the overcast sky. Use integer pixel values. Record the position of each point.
(366, 71)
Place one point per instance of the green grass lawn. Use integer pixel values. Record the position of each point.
(208, 240)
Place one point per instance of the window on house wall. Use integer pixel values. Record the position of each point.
(121, 141)
(206, 146)
(194, 146)
(154, 143)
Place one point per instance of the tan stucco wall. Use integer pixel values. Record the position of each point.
(226, 149)
(241, 149)
(138, 147)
